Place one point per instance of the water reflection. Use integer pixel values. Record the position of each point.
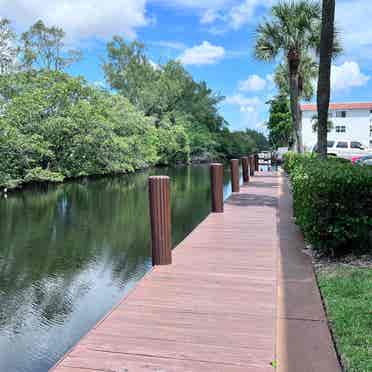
(68, 253)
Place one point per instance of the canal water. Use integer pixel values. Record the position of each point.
(69, 253)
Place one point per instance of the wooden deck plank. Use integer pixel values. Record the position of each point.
(114, 362)
(213, 309)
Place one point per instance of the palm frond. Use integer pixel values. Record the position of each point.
(308, 71)
(267, 41)
(297, 26)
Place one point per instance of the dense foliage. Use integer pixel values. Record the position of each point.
(240, 143)
(280, 122)
(167, 92)
(53, 125)
(43, 47)
(332, 203)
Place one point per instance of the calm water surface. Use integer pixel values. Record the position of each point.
(68, 253)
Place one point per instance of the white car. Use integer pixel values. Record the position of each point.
(346, 149)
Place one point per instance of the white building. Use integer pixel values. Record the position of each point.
(351, 121)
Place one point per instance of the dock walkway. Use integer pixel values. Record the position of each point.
(217, 307)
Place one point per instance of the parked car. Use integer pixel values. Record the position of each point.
(354, 159)
(364, 160)
(346, 149)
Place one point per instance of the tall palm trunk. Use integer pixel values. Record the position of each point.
(324, 80)
(293, 63)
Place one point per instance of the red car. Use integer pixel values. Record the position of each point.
(354, 159)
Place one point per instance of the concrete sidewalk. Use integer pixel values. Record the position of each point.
(304, 343)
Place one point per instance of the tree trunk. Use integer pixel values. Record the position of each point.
(293, 63)
(324, 80)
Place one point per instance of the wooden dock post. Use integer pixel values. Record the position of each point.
(256, 168)
(245, 166)
(251, 165)
(160, 216)
(235, 175)
(217, 187)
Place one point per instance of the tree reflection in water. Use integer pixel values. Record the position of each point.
(70, 252)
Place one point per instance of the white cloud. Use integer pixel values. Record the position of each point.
(83, 19)
(347, 75)
(176, 45)
(99, 84)
(246, 104)
(230, 14)
(353, 19)
(270, 79)
(80, 19)
(242, 13)
(209, 16)
(250, 111)
(154, 65)
(245, 12)
(203, 54)
(254, 83)
(234, 16)
(196, 4)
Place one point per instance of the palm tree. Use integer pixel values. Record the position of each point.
(307, 74)
(294, 32)
(324, 80)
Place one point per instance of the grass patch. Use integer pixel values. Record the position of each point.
(347, 293)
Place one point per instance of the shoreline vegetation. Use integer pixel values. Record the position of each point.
(40, 183)
(55, 126)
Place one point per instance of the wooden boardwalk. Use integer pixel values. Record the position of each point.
(213, 309)
(239, 295)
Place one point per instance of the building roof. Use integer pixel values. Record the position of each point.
(341, 106)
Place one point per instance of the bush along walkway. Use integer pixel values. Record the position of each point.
(333, 207)
(304, 342)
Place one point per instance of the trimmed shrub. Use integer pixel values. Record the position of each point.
(332, 203)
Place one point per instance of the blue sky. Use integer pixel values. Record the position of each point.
(214, 39)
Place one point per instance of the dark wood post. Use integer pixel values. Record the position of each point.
(160, 215)
(251, 165)
(235, 175)
(256, 168)
(217, 187)
(245, 167)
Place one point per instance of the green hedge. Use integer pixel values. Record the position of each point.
(332, 203)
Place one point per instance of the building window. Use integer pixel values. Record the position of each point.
(315, 129)
(340, 114)
(340, 129)
(330, 114)
(370, 130)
